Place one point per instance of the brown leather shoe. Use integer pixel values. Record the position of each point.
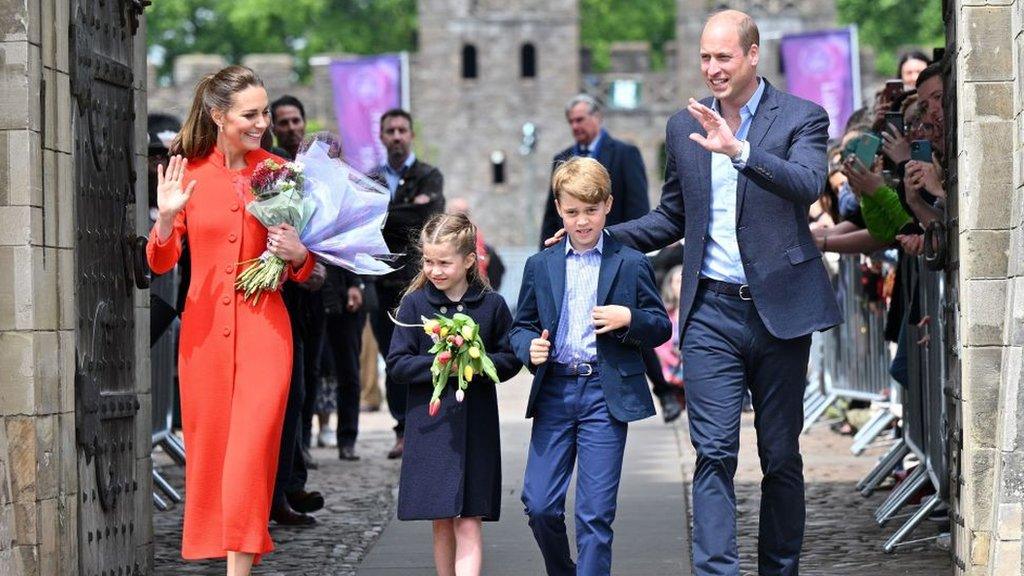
(286, 516)
(305, 502)
(398, 449)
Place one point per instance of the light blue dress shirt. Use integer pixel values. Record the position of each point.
(722, 253)
(575, 340)
(394, 177)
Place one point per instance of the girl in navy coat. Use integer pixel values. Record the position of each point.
(451, 469)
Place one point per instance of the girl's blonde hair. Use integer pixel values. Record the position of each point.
(454, 229)
(198, 135)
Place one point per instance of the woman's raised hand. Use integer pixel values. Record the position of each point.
(170, 196)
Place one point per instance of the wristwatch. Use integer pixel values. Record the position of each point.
(739, 157)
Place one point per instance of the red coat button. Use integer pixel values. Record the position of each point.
(232, 237)
(229, 268)
(226, 300)
(234, 207)
(227, 332)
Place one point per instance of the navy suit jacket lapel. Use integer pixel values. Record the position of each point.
(767, 110)
(556, 275)
(610, 262)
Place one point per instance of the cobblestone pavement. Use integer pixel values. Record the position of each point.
(842, 538)
(360, 501)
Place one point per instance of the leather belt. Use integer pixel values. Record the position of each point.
(578, 369)
(741, 291)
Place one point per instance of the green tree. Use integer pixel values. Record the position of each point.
(888, 26)
(603, 22)
(300, 27)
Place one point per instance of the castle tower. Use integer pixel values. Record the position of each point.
(483, 70)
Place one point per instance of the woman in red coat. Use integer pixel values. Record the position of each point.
(234, 359)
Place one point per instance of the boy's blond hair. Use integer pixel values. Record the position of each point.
(582, 178)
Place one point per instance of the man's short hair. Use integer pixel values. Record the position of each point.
(287, 100)
(593, 107)
(395, 113)
(934, 69)
(582, 178)
(746, 28)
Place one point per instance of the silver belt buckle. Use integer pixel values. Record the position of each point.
(747, 296)
(584, 369)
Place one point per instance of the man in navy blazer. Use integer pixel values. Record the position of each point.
(742, 169)
(587, 307)
(623, 161)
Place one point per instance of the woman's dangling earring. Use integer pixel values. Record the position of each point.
(221, 127)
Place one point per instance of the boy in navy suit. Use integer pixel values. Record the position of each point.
(596, 301)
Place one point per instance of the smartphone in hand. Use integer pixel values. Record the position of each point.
(894, 123)
(893, 90)
(864, 147)
(921, 150)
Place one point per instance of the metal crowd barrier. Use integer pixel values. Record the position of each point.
(925, 416)
(163, 368)
(855, 365)
(855, 358)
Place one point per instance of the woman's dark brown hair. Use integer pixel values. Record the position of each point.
(216, 91)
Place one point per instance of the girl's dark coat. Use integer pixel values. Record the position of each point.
(452, 461)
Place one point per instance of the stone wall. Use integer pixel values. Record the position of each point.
(39, 491)
(991, 180)
(38, 473)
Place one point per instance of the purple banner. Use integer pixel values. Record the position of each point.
(365, 88)
(823, 67)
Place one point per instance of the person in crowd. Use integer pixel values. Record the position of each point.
(451, 471)
(235, 358)
(913, 202)
(669, 353)
(488, 259)
(417, 193)
(623, 162)
(370, 397)
(910, 65)
(629, 187)
(751, 273)
(460, 205)
(292, 502)
(587, 307)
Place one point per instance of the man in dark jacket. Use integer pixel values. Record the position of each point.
(622, 160)
(292, 502)
(416, 194)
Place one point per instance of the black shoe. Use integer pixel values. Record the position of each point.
(398, 449)
(348, 453)
(286, 516)
(670, 407)
(306, 502)
(308, 459)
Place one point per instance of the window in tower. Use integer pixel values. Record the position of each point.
(468, 61)
(528, 61)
